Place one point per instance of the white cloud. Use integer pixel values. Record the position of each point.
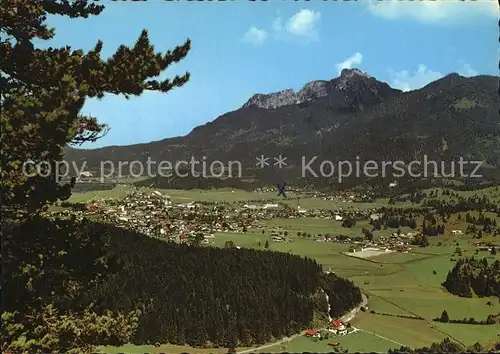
(406, 81)
(353, 60)
(255, 36)
(468, 71)
(433, 11)
(302, 23)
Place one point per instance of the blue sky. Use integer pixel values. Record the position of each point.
(240, 48)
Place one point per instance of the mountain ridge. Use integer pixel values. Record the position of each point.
(312, 90)
(358, 116)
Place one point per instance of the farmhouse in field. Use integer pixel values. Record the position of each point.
(338, 327)
(313, 333)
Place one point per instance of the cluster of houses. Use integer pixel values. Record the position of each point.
(154, 214)
(266, 210)
(336, 327)
(265, 206)
(395, 242)
(339, 196)
(349, 197)
(279, 238)
(484, 246)
(273, 210)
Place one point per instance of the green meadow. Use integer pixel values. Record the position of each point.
(160, 349)
(355, 342)
(397, 284)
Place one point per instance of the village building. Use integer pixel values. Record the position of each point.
(250, 206)
(278, 238)
(312, 333)
(84, 176)
(338, 327)
(269, 206)
(301, 211)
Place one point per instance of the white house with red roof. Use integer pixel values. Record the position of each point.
(312, 333)
(338, 327)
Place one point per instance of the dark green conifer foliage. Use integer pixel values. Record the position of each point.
(43, 91)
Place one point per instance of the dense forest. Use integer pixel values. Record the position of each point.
(472, 276)
(462, 204)
(171, 293)
(342, 294)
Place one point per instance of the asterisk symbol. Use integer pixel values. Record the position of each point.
(262, 161)
(280, 161)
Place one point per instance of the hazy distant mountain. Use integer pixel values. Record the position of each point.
(349, 116)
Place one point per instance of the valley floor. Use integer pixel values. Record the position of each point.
(404, 289)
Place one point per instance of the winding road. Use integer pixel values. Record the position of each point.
(351, 314)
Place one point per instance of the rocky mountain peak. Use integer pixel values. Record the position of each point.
(349, 82)
(272, 100)
(351, 78)
(312, 90)
(350, 73)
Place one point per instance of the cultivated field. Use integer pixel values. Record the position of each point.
(229, 195)
(397, 284)
(355, 342)
(161, 349)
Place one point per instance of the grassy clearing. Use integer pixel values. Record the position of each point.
(398, 258)
(429, 304)
(396, 283)
(400, 284)
(317, 226)
(486, 335)
(328, 254)
(231, 195)
(416, 291)
(151, 349)
(355, 342)
(293, 200)
(414, 333)
(176, 194)
(219, 195)
(115, 193)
